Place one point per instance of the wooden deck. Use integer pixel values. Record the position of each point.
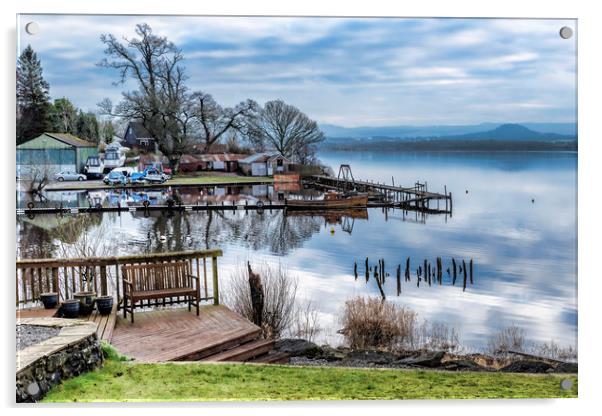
(179, 335)
(37, 312)
(105, 324)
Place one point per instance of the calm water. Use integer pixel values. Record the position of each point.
(524, 252)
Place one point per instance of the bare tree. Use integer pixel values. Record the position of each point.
(288, 130)
(216, 121)
(161, 102)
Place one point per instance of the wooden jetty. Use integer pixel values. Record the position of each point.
(417, 197)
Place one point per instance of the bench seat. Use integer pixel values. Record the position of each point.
(159, 281)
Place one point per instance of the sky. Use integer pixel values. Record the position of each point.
(343, 71)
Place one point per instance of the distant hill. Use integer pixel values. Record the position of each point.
(514, 133)
(334, 131)
(506, 137)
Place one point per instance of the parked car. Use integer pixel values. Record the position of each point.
(150, 174)
(115, 178)
(69, 176)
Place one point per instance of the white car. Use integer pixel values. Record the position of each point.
(69, 176)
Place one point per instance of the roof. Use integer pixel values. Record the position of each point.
(139, 130)
(261, 157)
(221, 157)
(66, 138)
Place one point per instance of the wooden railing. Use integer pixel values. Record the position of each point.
(103, 274)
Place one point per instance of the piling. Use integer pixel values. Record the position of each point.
(454, 270)
(407, 275)
(464, 269)
(398, 279)
(355, 269)
(471, 282)
(439, 271)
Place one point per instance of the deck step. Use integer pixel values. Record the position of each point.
(243, 352)
(272, 357)
(206, 353)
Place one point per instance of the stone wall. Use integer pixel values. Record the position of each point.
(74, 351)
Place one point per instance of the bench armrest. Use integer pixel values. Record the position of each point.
(194, 277)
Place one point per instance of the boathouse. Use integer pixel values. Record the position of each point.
(264, 164)
(50, 153)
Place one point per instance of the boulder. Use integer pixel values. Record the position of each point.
(527, 366)
(462, 365)
(566, 368)
(428, 359)
(297, 347)
(371, 357)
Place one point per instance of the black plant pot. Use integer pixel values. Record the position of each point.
(50, 300)
(104, 304)
(70, 308)
(86, 302)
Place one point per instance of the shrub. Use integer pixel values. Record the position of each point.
(511, 338)
(372, 323)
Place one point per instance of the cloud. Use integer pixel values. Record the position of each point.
(357, 71)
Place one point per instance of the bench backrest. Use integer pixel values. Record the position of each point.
(158, 276)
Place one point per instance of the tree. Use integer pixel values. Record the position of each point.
(87, 127)
(63, 116)
(161, 102)
(33, 106)
(216, 121)
(286, 129)
(107, 131)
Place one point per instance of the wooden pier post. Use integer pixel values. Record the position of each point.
(454, 271)
(407, 275)
(215, 281)
(398, 279)
(439, 271)
(464, 270)
(355, 269)
(367, 271)
(471, 282)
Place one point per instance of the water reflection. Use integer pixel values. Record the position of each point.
(524, 253)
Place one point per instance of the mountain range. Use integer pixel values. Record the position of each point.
(507, 137)
(334, 131)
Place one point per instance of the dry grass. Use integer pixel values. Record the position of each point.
(512, 338)
(370, 323)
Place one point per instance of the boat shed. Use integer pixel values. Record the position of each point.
(54, 152)
(264, 164)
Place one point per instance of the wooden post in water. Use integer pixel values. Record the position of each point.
(471, 282)
(439, 271)
(367, 271)
(454, 271)
(355, 269)
(464, 270)
(407, 270)
(398, 279)
(380, 287)
(382, 270)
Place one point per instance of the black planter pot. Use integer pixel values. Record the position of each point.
(50, 300)
(104, 304)
(70, 308)
(86, 302)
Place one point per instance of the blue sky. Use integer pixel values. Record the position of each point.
(350, 72)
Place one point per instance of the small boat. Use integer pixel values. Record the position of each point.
(332, 200)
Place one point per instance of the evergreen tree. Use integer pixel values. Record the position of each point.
(64, 116)
(87, 127)
(107, 131)
(33, 106)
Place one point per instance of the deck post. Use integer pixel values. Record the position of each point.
(103, 280)
(215, 280)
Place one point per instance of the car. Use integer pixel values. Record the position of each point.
(115, 178)
(68, 175)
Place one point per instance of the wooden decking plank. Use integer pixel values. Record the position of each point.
(170, 334)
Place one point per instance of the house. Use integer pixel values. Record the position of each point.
(53, 153)
(264, 164)
(227, 162)
(137, 137)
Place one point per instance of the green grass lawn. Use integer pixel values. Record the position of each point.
(201, 180)
(126, 381)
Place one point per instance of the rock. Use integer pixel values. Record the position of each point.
(297, 347)
(462, 365)
(527, 366)
(429, 359)
(566, 368)
(371, 357)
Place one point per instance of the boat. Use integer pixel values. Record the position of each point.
(332, 200)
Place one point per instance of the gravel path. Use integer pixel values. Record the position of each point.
(28, 335)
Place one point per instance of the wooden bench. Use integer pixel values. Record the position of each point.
(159, 281)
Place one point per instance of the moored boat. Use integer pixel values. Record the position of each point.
(331, 200)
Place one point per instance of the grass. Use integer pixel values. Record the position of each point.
(202, 180)
(127, 381)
